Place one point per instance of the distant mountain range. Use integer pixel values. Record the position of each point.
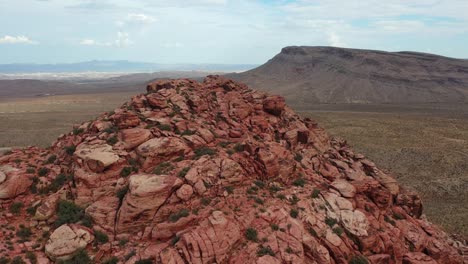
(311, 75)
(119, 66)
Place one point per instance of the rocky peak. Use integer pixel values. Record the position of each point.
(209, 172)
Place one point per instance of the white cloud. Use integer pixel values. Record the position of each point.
(399, 26)
(335, 40)
(92, 42)
(172, 45)
(136, 19)
(16, 40)
(123, 40)
(141, 18)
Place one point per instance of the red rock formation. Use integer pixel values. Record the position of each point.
(211, 172)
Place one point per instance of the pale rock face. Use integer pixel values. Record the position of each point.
(146, 194)
(185, 192)
(103, 212)
(345, 188)
(47, 207)
(133, 137)
(66, 240)
(13, 182)
(355, 222)
(97, 157)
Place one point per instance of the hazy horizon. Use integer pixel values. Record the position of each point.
(222, 31)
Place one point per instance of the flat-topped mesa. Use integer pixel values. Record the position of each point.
(212, 172)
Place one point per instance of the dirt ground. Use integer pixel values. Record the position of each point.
(426, 151)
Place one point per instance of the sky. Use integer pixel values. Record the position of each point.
(223, 31)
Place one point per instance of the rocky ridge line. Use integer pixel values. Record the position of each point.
(209, 172)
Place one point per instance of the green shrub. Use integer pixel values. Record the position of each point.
(274, 227)
(252, 190)
(262, 251)
(187, 133)
(87, 221)
(176, 216)
(238, 147)
(163, 168)
(294, 199)
(111, 260)
(31, 257)
(70, 149)
(24, 233)
(121, 193)
(294, 213)
(164, 127)
(398, 216)
(30, 170)
(112, 140)
(15, 208)
(204, 151)
(312, 232)
(43, 171)
(299, 182)
(330, 221)
(298, 157)
(258, 200)
(144, 261)
(174, 240)
(338, 230)
(111, 129)
(123, 242)
(183, 172)
(77, 131)
(315, 193)
(205, 201)
(51, 158)
(358, 260)
(129, 255)
(251, 234)
(31, 210)
(58, 182)
(68, 212)
(389, 220)
(80, 257)
(229, 189)
(4, 260)
(260, 184)
(17, 260)
(126, 171)
(100, 237)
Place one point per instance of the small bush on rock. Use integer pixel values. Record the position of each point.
(251, 234)
(358, 260)
(80, 257)
(101, 238)
(68, 212)
(15, 208)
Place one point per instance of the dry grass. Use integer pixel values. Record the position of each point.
(427, 153)
(39, 121)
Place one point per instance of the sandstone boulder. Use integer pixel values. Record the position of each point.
(146, 194)
(13, 182)
(133, 137)
(66, 240)
(274, 105)
(97, 157)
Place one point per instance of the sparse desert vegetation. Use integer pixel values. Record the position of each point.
(427, 152)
